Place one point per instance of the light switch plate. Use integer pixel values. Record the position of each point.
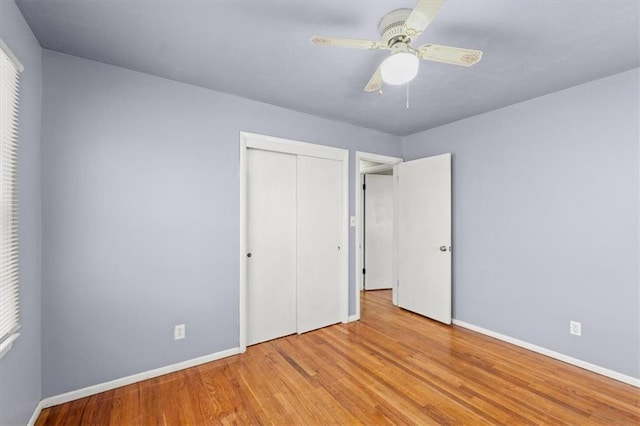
(352, 221)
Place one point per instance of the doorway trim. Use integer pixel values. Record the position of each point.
(288, 146)
(387, 163)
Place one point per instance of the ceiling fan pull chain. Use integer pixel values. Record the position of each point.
(407, 96)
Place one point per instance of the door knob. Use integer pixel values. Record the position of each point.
(248, 254)
(443, 248)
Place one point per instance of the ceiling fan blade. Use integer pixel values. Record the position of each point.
(449, 55)
(421, 17)
(375, 83)
(352, 43)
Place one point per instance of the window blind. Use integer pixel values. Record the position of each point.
(9, 297)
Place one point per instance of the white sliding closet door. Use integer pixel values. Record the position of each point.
(319, 242)
(271, 226)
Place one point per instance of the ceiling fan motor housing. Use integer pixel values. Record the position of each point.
(391, 27)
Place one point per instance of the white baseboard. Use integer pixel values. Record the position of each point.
(552, 354)
(36, 414)
(102, 387)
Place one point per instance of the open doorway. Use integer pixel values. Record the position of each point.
(374, 181)
(421, 239)
(377, 230)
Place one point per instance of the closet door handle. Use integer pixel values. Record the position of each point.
(248, 254)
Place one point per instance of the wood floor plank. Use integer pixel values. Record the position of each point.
(392, 367)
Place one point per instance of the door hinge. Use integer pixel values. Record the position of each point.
(364, 186)
(364, 271)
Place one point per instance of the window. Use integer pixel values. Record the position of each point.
(10, 70)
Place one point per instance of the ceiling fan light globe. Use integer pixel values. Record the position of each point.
(399, 68)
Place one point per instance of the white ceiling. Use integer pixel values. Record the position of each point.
(260, 50)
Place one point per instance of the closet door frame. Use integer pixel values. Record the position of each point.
(288, 146)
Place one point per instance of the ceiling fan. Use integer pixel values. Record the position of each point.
(397, 29)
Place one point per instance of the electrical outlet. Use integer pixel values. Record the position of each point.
(575, 328)
(179, 332)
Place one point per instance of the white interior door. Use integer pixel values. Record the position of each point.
(319, 242)
(271, 231)
(378, 232)
(424, 237)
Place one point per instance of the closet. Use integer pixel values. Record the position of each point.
(295, 239)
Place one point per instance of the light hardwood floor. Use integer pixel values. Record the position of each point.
(390, 367)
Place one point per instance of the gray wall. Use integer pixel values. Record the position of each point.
(20, 367)
(545, 225)
(140, 216)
